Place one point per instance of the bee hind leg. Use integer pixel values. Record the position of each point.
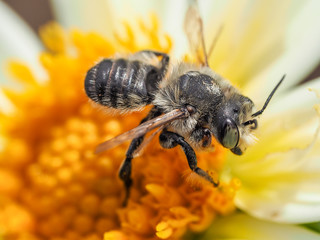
(171, 139)
(165, 59)
(125, 169)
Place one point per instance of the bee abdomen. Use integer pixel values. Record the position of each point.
(118, 84)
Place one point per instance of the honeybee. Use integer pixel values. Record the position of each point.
(191, 102)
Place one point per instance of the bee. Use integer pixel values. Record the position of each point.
(191, 102)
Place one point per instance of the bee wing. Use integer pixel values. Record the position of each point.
(193, 27)
(142, 129)
(139, 151)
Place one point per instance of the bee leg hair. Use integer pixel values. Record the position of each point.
(171, 139)
(164, 61)
(201, 135)
(125, 169)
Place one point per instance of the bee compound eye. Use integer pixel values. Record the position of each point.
(230, 134)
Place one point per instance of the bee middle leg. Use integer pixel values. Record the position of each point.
(170, 139)
(125, 169)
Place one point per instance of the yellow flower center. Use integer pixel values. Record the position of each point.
(56, 188)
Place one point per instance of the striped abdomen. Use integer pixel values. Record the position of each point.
(121, 84)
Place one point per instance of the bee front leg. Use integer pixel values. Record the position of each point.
(201, 135)
(125, 169)
(171, 139)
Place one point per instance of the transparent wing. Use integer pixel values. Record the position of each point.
(139, 151)
(193, 27)
(142, 129)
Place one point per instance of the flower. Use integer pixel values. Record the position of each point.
(284, 176)
(58, 189)
(279, 174)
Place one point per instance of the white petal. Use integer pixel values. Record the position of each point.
(291, 114)
(241, 226)
(104, 16)
(289, 121)
(286, 206)
(300, 56)
(281, 173)
(263, 40)
(96, 15)
(17, 41)
(6, 105)
(281, 186)
(139, 8)
(287, 102)
(252, 36)
(172, 19)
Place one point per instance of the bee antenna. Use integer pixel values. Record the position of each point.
(203, 42)
(269, 98)
(215, 40)
(196, 5)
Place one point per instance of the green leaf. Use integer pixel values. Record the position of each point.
(315, 226)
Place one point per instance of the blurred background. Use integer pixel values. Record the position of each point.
(39, 12)
(34, 12)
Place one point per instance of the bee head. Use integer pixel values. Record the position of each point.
(236, 121)
(234, 126)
